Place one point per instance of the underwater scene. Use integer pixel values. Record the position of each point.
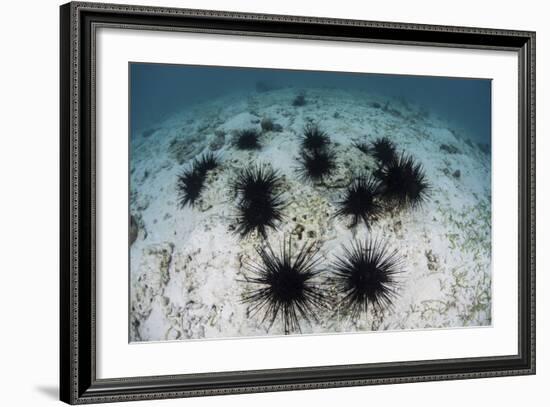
(284, 202)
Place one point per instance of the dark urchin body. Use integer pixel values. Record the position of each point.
(259, 200)
(189, 186)
(248, 139)
(190, 182)
(365, 276)
(285, 285)
(259, 215)
(361, 201)
(383, 150)
(404, 182)
(317, 164)
(256, 181)
(314, 138)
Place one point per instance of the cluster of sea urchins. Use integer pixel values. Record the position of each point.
(399, 182)
(190, 182)
(403, 180)
(365, 275)
(290, 286)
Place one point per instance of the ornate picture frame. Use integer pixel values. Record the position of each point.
(79, 382)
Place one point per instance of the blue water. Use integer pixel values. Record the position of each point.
(159, 90)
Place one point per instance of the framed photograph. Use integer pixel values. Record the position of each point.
(255, 203)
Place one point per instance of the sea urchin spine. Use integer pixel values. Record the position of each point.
(365, 276)
(207, 163)
(361, 201)
(285, 285)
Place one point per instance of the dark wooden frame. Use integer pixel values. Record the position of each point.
(78, 382)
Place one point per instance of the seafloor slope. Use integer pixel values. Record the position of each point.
(186, 279)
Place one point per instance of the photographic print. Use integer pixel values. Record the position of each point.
(285, 202)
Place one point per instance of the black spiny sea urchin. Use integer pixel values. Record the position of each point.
(365, 276)
(189, 186)
(383, 150)
(191, 181)
(247, 140)
(316, 165)
(314, 138)
(285, 285)
(361, 201)
(259, 199)
(256, 181)
(404, 182)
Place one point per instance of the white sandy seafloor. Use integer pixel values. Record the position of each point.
(185, 265)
